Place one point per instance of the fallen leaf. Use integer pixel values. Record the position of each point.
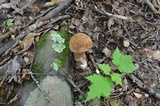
(137, 95)
(17, 96)
(28, 40)
(53, 2)
(10, 69)
(152, 54)
(110, 23)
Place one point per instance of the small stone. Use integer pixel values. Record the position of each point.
(146, 95)
(137, 95)
(126, 43)
(107, 52)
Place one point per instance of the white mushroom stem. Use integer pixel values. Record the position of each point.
(81, 57)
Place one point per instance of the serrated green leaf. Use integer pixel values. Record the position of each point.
(100, 86)
(9, 23)
(123, 62)
(116, 78)
(117, 57)
(127, 65)
(105, 68)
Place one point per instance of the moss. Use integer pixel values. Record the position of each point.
(36, 67)
(62, 57)
(42, 41)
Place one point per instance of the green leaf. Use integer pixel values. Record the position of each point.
(123, 62)
(9, 23)
(116, 78)
(105, 68)
(100, 86)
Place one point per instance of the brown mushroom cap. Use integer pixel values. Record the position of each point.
(80, 42)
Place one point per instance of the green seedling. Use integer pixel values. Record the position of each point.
(102, 85)
(9, 23)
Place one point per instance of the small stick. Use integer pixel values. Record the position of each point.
(112, 15)
(52, 23)
(75, 86)
(150, 5)
(37, 17)
(141, 85)
(40, 88)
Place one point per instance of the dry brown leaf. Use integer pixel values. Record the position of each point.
(53, 2)
(28, 40)
(17, 96)
(110, 23)
(11, 68)
(114, 102)
(152, 54)
(26, 74)
(137, 95)
(156, 54)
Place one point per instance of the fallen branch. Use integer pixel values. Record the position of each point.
(40, 88)
(52, 23)
(150, 5)
(37, 17)
(111, 15)
(141, 85)
(50, 15)
(58, 9)
(75, 86)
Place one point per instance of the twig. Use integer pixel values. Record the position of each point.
(150, 5)
(29, 73)
(141, 85)
(14, 45)
(112, 15)
(52, 23)
(75, 86)
(40, 88)
(37, 17)
(58, 9)
(50, 15)
(7, 45)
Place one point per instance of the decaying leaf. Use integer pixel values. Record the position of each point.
(152, 54)
(28, 40)
(137, 95)
(10, 69)
(52, 2)
(17, 96)
(110, 23)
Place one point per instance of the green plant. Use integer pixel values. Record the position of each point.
(102, 85)
(61, 39)
(9, 23)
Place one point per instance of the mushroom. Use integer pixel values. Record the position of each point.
(79, 44)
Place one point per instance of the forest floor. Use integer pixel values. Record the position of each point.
(132, 26)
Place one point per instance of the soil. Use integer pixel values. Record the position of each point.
(130, 25)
